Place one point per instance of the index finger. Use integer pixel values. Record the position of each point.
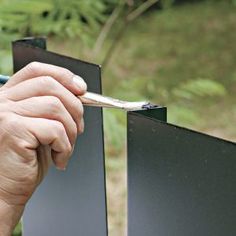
(72, 82)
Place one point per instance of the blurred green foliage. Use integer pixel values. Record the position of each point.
(199, 88)
(183, 58)
(53, 18)
(74, 18)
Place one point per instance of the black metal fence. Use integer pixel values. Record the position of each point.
(180, 182)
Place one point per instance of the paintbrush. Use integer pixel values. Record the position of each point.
(97, 100)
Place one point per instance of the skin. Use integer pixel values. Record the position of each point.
(40, 118)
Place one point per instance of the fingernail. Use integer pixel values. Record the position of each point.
(61, 167)
(81, 127)
(73, 148)
(79, 82)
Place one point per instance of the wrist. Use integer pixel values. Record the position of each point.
(9, 217)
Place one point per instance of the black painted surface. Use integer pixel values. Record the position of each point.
(71, 202)
(180, 182)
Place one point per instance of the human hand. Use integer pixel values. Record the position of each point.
(40, 118)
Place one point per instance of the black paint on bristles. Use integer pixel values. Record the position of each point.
(149, 106)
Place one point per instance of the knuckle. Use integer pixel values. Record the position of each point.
(78, 108)
(65, 73)
(59, 128)
(55, 104)
(9, 123)
(12, 121)
(66, 76)
(33, 66)
(48, 82)
(67, 149)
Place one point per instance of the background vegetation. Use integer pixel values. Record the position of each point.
(177, 53)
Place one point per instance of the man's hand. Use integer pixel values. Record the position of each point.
(40, 118)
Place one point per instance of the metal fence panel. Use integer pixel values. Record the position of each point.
(71, 202)
(180, 182)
